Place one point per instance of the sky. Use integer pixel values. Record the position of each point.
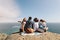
(13, 10)
(9, 11)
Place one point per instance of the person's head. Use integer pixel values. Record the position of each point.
(29, 18)
(24, 19)
(36, 20)
(41, 20)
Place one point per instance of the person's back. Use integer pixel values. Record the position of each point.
(28, 25)
(43, 25)
(36, 24)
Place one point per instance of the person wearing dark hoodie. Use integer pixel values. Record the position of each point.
(28, 26)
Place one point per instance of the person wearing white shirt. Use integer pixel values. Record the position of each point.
(22, 25)
(36, 26)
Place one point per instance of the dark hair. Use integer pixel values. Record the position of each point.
(36, 20)
(29, 18)
(42, 20)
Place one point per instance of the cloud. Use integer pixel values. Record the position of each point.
(9, 11)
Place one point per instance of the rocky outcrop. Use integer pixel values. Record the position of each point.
(3, 36)
(43, 36)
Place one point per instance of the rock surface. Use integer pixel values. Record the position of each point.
(3, 36)
(43, 36)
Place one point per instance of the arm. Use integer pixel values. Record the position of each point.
(22, 27)
(20, 21)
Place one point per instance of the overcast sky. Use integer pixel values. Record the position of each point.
(9, 11)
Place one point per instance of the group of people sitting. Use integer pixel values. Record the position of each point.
(36, 25)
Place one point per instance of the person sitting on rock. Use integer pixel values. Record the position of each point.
(22, 25)
(42, 25)
(28, 26)
(36, 26)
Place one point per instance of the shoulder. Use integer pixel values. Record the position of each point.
(40, 22)
(44, 22)
(31, 21)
